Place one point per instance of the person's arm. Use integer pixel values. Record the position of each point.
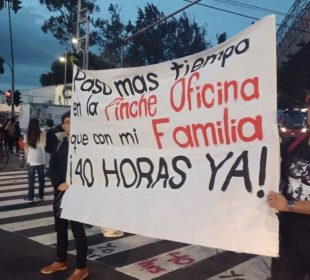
(53, 170)
(280, 203)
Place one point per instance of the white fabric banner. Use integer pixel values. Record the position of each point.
(184, 150)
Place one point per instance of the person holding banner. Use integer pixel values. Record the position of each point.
(293, 205)
(57, 172)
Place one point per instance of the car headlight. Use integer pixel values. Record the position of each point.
(304, 129)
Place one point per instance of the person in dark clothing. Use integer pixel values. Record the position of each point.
(13, 134)
(51, 139)
(51, 142)
(293, 205)
(57, 172)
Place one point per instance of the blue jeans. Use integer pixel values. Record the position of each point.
(31, 180)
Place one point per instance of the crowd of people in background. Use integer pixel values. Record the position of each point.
(10, 133)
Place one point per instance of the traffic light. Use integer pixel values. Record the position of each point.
(17, 98)
(16, 5)
(8, 97)
(1, 4)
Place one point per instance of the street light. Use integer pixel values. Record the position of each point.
(64, 59)
(79, 49)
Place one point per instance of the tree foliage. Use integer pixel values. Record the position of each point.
(109, 36)
(57, 73)
(63, 25)
(173, 38)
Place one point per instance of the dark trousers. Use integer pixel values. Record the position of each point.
(11, 141)
(61, 227)
(294, 260)
(31, 180)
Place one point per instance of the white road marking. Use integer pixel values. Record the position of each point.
(13, 181)
(116, 246)
(255, 269)
(22, 201)
(28, 224)
(46, 189)
(13, 172)
(26, 211)
(15, 176)
(21, 186)
(50, 238)
(167, 262)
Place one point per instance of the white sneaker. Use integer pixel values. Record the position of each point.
(109, 232)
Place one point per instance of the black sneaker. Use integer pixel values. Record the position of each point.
(27, 199)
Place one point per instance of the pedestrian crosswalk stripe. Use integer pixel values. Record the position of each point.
(14, 181)
(25, 211)
(12, 227)
(21, 201)
(116, 246)
(248, 270)
(5, 177)
(50, 238)
(12, 173)
(20, 186)
(167, 262)
(8, 194)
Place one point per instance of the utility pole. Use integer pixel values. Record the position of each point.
(15, 5)
(83, 18)
(12, 64)
(64, 59)
(150, 26)
(65, 77)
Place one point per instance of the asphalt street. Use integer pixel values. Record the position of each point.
(21, 258)
(28, 242)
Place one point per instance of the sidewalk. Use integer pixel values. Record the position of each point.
(22, 258)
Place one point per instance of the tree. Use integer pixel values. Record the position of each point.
(56, 75)
(109, 36)
(170, 39)
(173, 38)
(221, 38)
(64, 25)
(188, 37)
